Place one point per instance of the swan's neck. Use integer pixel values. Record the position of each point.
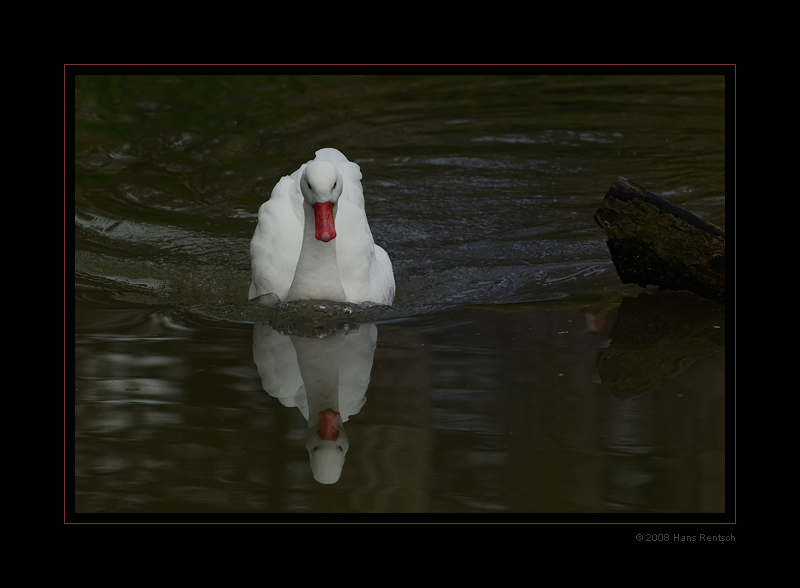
(317, 274)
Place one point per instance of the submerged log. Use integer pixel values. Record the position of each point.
(653, 241)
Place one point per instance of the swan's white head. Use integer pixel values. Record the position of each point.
(327, 446)
(321, 182)
(321, 185)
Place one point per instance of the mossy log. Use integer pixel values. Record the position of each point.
(653, 241)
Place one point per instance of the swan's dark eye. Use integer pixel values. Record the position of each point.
(334, 185)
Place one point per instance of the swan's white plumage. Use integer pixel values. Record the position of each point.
(362, 268)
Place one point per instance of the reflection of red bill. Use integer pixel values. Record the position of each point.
(329, 425)
(324, 229)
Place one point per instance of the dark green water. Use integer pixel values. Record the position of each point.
(506, 378)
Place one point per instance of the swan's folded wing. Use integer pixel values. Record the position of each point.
(275, 247)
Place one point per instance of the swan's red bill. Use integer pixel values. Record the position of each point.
(329, 424)
(323, 221)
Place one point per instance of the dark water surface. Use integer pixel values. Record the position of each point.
(513, 374)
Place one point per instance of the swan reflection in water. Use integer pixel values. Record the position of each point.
(326, 377)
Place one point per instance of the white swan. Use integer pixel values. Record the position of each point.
(313, 241)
